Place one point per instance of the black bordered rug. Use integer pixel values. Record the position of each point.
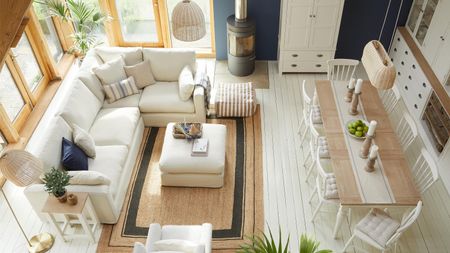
(234, 210)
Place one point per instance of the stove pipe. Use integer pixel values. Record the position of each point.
(240, 10)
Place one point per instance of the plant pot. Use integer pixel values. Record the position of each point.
(63, 198)
(72, 199)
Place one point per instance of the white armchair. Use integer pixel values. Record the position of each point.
(160, 239)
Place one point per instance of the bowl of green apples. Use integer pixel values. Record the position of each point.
(357, 129)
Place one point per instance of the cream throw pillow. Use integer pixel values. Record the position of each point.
(111, 71)
(142, 74)
(186, 83)
(178, 245)
(83, 140)
(88, 177)
(133, 57)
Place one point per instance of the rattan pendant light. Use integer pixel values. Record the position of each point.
(188, 21)
(23, 169)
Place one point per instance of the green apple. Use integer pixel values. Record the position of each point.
(358, 134)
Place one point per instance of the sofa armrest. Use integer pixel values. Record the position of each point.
(100, 195)
(199, 102)
(206, 237)
(154, 234)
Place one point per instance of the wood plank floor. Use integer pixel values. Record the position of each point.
(286, 193)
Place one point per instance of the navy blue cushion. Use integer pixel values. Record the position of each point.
(72, 157)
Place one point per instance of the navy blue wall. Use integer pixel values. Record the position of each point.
(265, 13)
(362, 21)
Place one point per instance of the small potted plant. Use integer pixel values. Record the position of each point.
(55, 183)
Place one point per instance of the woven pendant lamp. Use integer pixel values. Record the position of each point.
(188, 21)
(23, 169)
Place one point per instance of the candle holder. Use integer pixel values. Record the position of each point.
(354, 106)
(370, 166)
(348, 97)
(364, 152)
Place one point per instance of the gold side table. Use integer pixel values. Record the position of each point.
(82, 213)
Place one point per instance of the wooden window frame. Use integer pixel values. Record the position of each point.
(114, 32)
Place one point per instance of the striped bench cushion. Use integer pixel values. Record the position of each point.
(124, 88)
(235, 100)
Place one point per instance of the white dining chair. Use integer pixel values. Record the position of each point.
(390, 98)
(326, 187)
(304, 123)
(315, 141)
(341, 69)
(381, 231)
(425, 171)
(406, 131)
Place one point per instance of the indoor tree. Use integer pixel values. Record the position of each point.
(85, 17)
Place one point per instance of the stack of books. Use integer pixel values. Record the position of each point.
(200, 147)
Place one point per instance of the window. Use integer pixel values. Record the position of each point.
(3, 142)
(99, 32)
(10, 97)
(26, 60)
(49, 30)
(137, 20)
(204, 45)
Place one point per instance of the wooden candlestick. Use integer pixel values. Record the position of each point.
(364, 152)
(349, 95)
(354, 106)
(370, 166)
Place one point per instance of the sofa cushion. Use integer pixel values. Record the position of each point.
(48, 145)
(72, 157)
(130, 101)
(186, 83)
(163, 97)
(167, 64)
(178, 245)
(121, 89)
(110, 72)
(115, 126)
(81, 106)
(111, 53)
(142, 74)
(90, 60)
(133, 57)
(88, 177)
(92, 82)
(110, 161)
(83, 140)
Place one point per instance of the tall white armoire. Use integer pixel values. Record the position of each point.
(308, 34)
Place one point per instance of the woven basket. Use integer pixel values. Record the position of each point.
(378, 65)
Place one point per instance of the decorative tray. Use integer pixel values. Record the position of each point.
(183, 130)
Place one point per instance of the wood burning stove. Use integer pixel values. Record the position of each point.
(241, 41)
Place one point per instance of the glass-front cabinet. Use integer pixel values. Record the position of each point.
(420, 17)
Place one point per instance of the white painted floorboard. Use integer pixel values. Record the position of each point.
(286, 193)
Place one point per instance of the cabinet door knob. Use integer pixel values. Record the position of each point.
(294, 65)
(395, 49)
(414, 66)
(406, 87)
(320, 55)
(318, 65)
(419, 95)
(409, 77)
(403, 63)
(406, 52)
(424, 85)
(442, 38)
(398, 73)
(294, 55)
(314, 16)
(415, 106)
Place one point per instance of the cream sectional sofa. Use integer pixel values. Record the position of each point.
(117, 128)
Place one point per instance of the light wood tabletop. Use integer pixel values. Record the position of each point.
(392, 183)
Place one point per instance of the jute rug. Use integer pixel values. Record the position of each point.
(235, 210)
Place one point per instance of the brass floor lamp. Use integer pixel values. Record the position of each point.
(23, 169)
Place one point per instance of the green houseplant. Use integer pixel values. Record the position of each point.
(55, 182)
(266, 244)
(85, 17)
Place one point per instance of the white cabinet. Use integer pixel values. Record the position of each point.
(429, 25)
(308, 34)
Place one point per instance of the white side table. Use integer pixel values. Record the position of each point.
(82, 213)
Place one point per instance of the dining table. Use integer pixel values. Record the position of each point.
(391, 184)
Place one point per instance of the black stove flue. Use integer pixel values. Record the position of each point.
(241, 41)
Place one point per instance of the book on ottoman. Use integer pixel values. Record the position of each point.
(200, 147)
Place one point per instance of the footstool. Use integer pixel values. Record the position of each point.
(179, 168)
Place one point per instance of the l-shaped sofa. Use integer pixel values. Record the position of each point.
(117, 128)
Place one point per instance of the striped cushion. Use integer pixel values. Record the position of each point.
(235, 100)
(124, 88)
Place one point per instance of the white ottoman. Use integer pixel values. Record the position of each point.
(179, 168)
